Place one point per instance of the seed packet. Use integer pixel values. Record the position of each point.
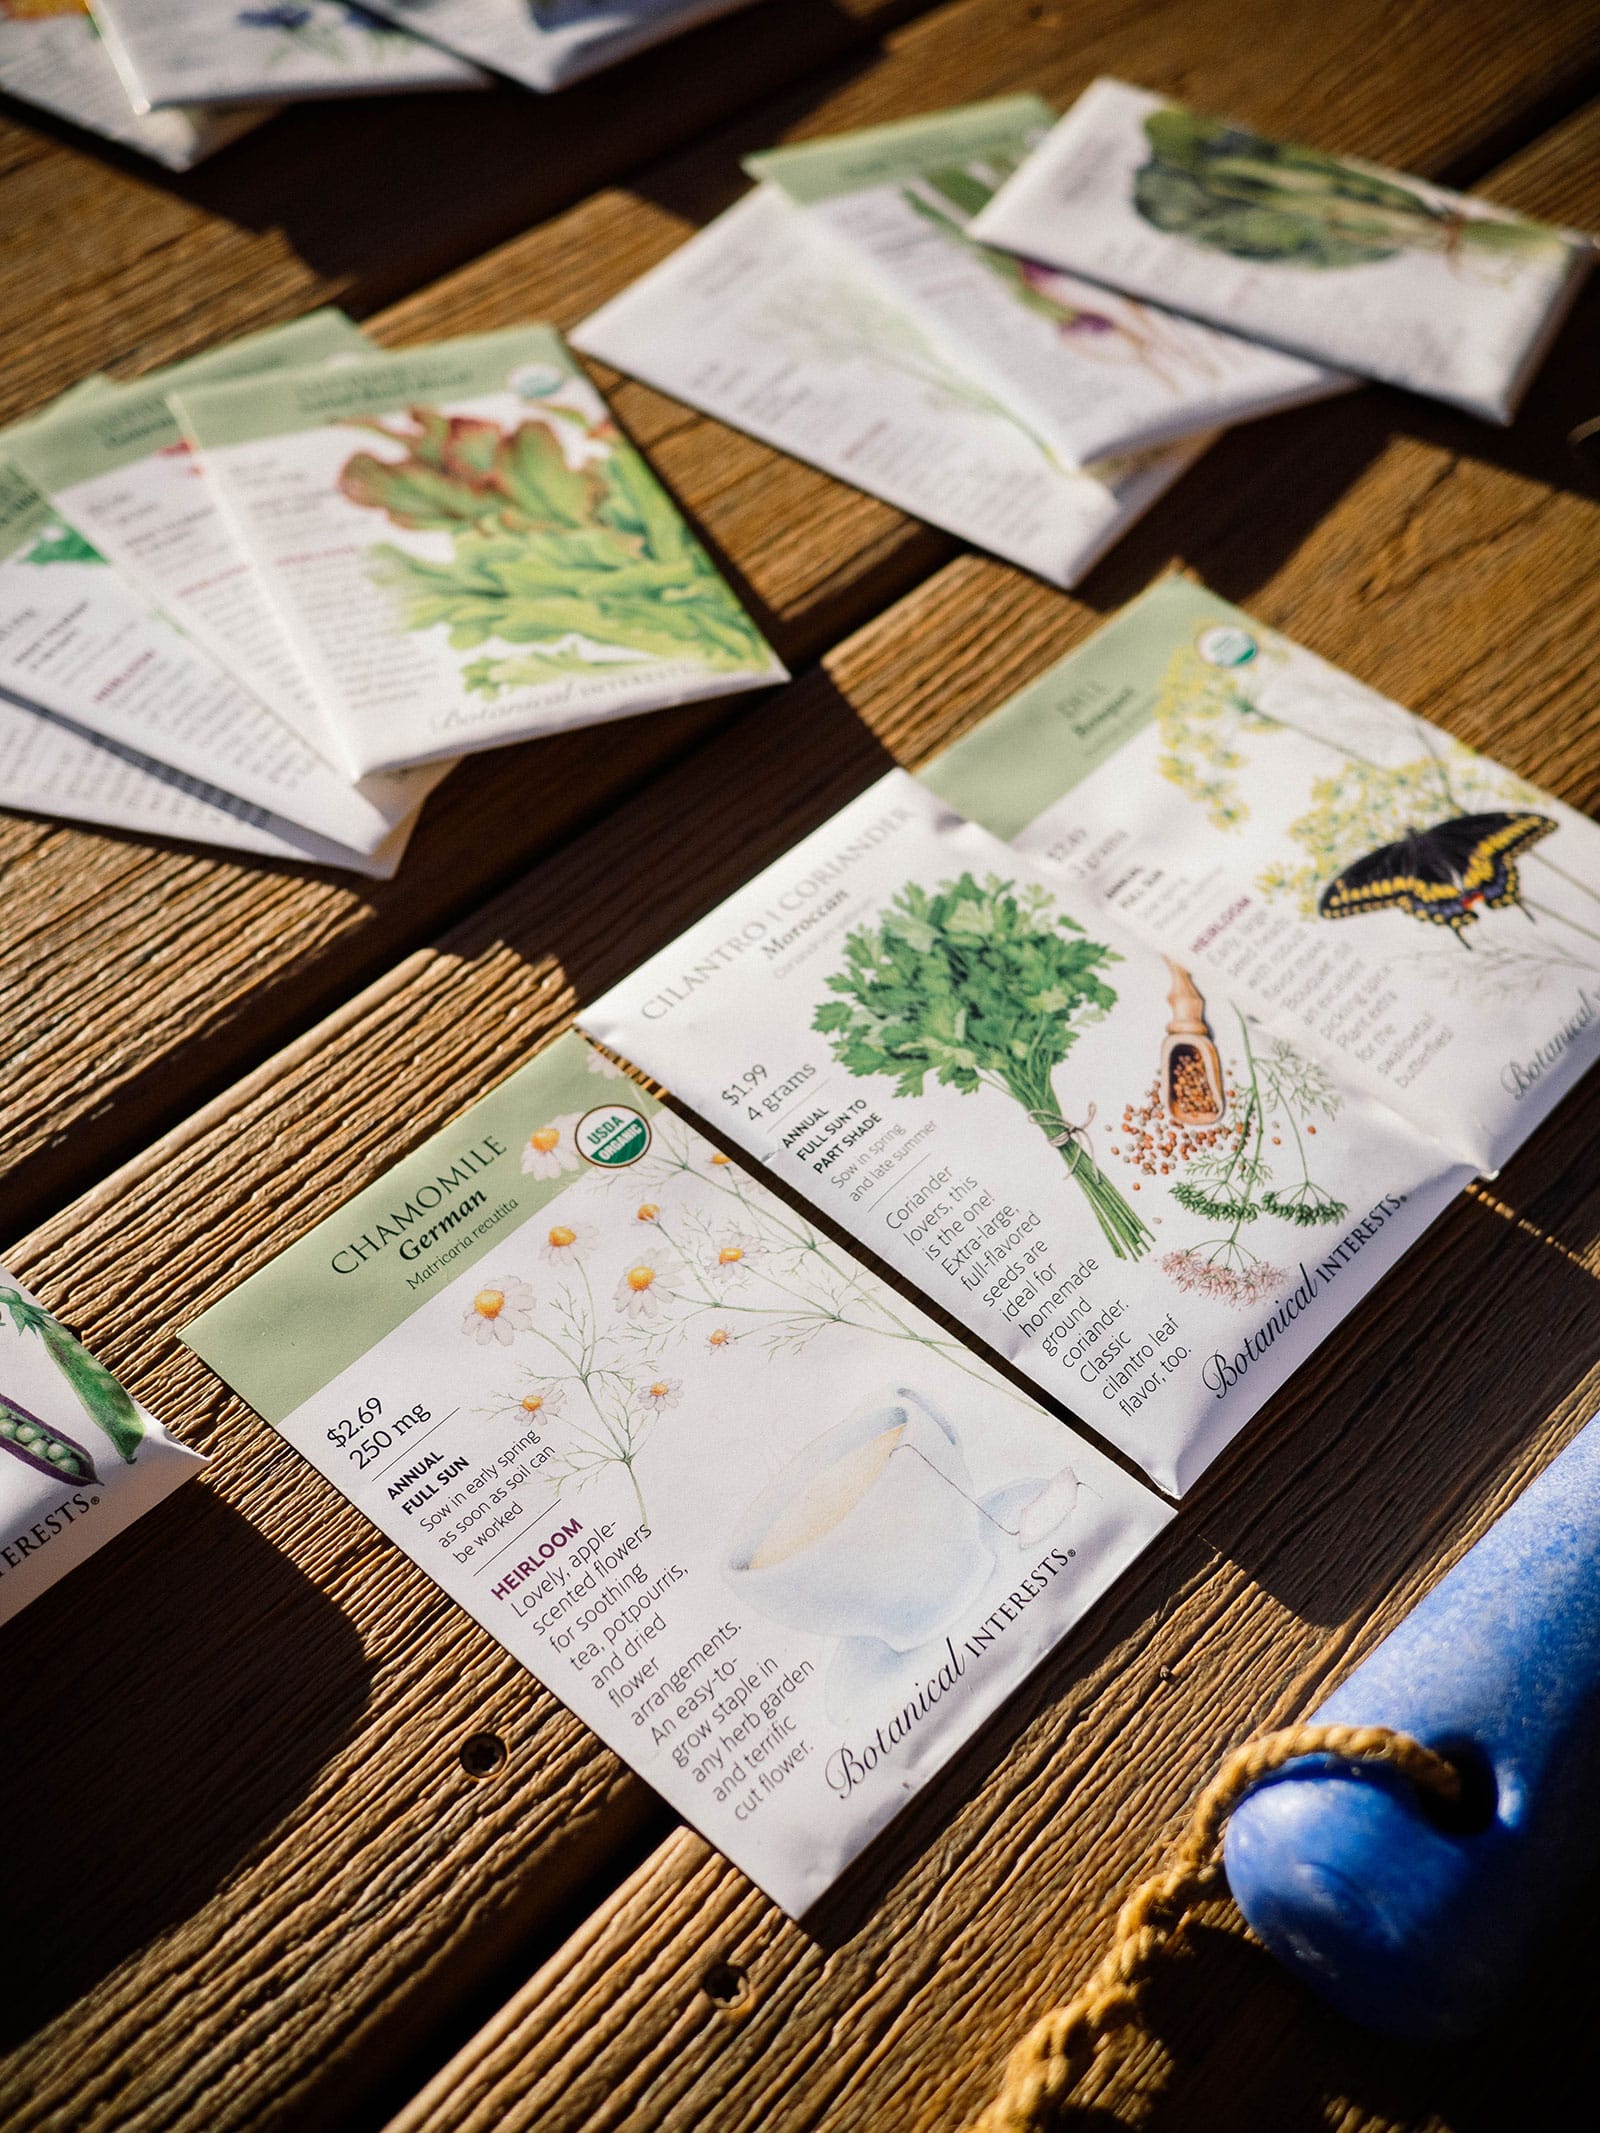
(548, 43)
(1322, 255)
(120, 471)
(1092, 372)
(176, 52)
(53, 57)
(1149, 1204)
(464, 549)
(1421, 919)
(79, 1459)
(769, 1530)
(764, 322)
(76, 640)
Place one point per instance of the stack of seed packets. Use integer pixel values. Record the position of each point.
(1327, 257)
(178, 52)
(79, 1458)
(53, 56)
(843, 313)
(1149, 1097)
(759, 1520)
(547, 43)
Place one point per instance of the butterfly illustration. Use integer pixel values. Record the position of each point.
(1439, 874)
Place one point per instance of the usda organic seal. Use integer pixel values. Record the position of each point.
(611, 1136)
(1226, 646)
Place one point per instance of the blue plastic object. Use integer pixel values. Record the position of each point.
(1401, 1923)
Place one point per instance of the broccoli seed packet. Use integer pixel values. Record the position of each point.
(79, 1458)
(465, 550)
(760, 1522)
(1095, 373)
(1150, 1204)
(1322, 255)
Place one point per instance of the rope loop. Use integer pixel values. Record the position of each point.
(1061, 2046)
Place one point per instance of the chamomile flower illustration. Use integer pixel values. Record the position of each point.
(563, 1243)
(731, 1258)
(549, 1150)
(660, 1394)
(647, 1211)
(719, 1340)
(637, 1296)
(542, 1402)
(499, 1311)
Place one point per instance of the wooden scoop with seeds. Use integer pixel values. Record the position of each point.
(1191, 1072)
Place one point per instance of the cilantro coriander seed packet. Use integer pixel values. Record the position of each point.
(1322, 255)
(777, 1537)
(1095, 373)
(1149, 1204)
(465, 550)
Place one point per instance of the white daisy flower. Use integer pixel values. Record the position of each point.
(727, 1261)
(499, 1311)
(549, 1150)
(563, 1242)
(658, 1396)
(540, 1402)
(719, 1339)
(636, 1294)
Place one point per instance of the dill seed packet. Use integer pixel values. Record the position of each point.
(1322, 255)
(465, 550)
(1151, 1205)
(217, 52)
(767, 323)
(55, 58)
(1092, 372)
(120, 471)
(780, 1540)
(1417, 916)
(77, 641)
(79, 1458)
(548, 43)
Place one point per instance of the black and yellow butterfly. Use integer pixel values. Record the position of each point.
(1439, 874)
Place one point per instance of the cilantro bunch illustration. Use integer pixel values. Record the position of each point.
(981, 985)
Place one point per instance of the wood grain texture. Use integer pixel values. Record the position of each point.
(332, 1845)
(202, 964)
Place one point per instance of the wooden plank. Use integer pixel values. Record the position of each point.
(342, 1890)
(112, 261)
(101, 1052)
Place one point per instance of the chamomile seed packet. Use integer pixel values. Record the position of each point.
(465, 550)
(120, 471)
(176, 52)
(766, 322)
(1410, 912)
(80, 1459)
(1097, 1163)
(1095, 373)
(547, 43)
(54, 57)
(761, 1523)
(1321, 255)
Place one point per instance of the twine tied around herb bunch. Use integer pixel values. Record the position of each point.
(1062, 2045)
(1062, 1133)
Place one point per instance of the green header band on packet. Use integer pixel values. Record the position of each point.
(23, 511)
(124, 423)
(423, 1222)
(1053, 734)
(305, 399)
(905, 148)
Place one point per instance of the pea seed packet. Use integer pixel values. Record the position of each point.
(52, 56)
(119, 470)
(1151, 1205)
(177, 52)
(547, 43)
(79, 1458)
(1420, 919)
(766, 323)
(1094, 373)
(757, 1520)
(464, 549)
(1321, 255)
(77, 641)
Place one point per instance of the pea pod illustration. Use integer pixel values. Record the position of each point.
(101, 1397)
(48, 1450)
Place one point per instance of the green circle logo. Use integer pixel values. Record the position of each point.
(1226, 646)
(611, 1136)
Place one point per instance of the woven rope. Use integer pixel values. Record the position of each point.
(1060, 2047)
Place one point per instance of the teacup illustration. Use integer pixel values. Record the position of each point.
(872, 1531)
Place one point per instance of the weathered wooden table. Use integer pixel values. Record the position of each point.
(250, 1879)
